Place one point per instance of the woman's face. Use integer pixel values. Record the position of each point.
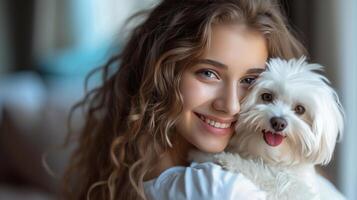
(213, 87)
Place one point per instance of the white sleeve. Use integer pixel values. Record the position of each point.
(327, 190)
(203, 181)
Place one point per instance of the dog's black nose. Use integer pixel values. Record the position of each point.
(278, 123)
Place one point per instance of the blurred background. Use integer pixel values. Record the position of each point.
(48, 46)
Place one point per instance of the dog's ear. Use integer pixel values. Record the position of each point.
(327, 125)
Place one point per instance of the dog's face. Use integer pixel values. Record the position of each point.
(290, 116)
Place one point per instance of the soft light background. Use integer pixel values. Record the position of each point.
(48, 46)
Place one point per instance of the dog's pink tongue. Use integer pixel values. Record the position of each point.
(273, 139)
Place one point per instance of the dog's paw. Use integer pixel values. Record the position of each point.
(228, 161)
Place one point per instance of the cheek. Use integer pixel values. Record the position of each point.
(242, 93)
(196, 93)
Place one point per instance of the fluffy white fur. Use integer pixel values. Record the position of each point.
(285, 171)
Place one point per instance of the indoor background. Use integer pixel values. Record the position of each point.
(48, 46)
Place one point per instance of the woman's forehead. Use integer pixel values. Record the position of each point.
(233, 45)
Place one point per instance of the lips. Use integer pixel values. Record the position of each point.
(273, 138)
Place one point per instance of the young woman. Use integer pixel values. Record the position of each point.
(177, 87)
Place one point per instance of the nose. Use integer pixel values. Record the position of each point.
(278, 123)
(227, 100)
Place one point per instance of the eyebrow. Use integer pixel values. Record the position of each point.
(221, 65)
(213, 63)
(255, 70)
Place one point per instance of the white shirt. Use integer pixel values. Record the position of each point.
(327, 190)
(201, 181)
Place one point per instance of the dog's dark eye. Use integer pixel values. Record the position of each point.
(267, 97)
(299, 109)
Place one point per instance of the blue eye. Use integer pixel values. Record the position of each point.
(208, 74)
(248, 80)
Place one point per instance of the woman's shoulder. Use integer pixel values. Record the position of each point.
(201, 181)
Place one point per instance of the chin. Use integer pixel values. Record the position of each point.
(212, 146)
(289, 122)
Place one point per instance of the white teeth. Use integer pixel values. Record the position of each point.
(209, 122)
(217, 124)
(214, 123)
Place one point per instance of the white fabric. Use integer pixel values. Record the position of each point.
(201, 181)
(327, 190)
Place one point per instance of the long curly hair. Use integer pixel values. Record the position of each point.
(130, 118)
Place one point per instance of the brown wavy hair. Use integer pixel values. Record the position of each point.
(130, 118)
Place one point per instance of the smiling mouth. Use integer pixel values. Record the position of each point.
(215, 124)
(273, 138)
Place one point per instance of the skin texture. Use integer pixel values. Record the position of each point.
(213, 88)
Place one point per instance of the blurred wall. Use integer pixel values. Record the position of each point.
(73, 37)
(41, 33)
(20, 18)
(323, 50)
(345, 28)
(4, 46)
(335, 46)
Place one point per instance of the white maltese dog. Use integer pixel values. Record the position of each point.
(289, 122)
